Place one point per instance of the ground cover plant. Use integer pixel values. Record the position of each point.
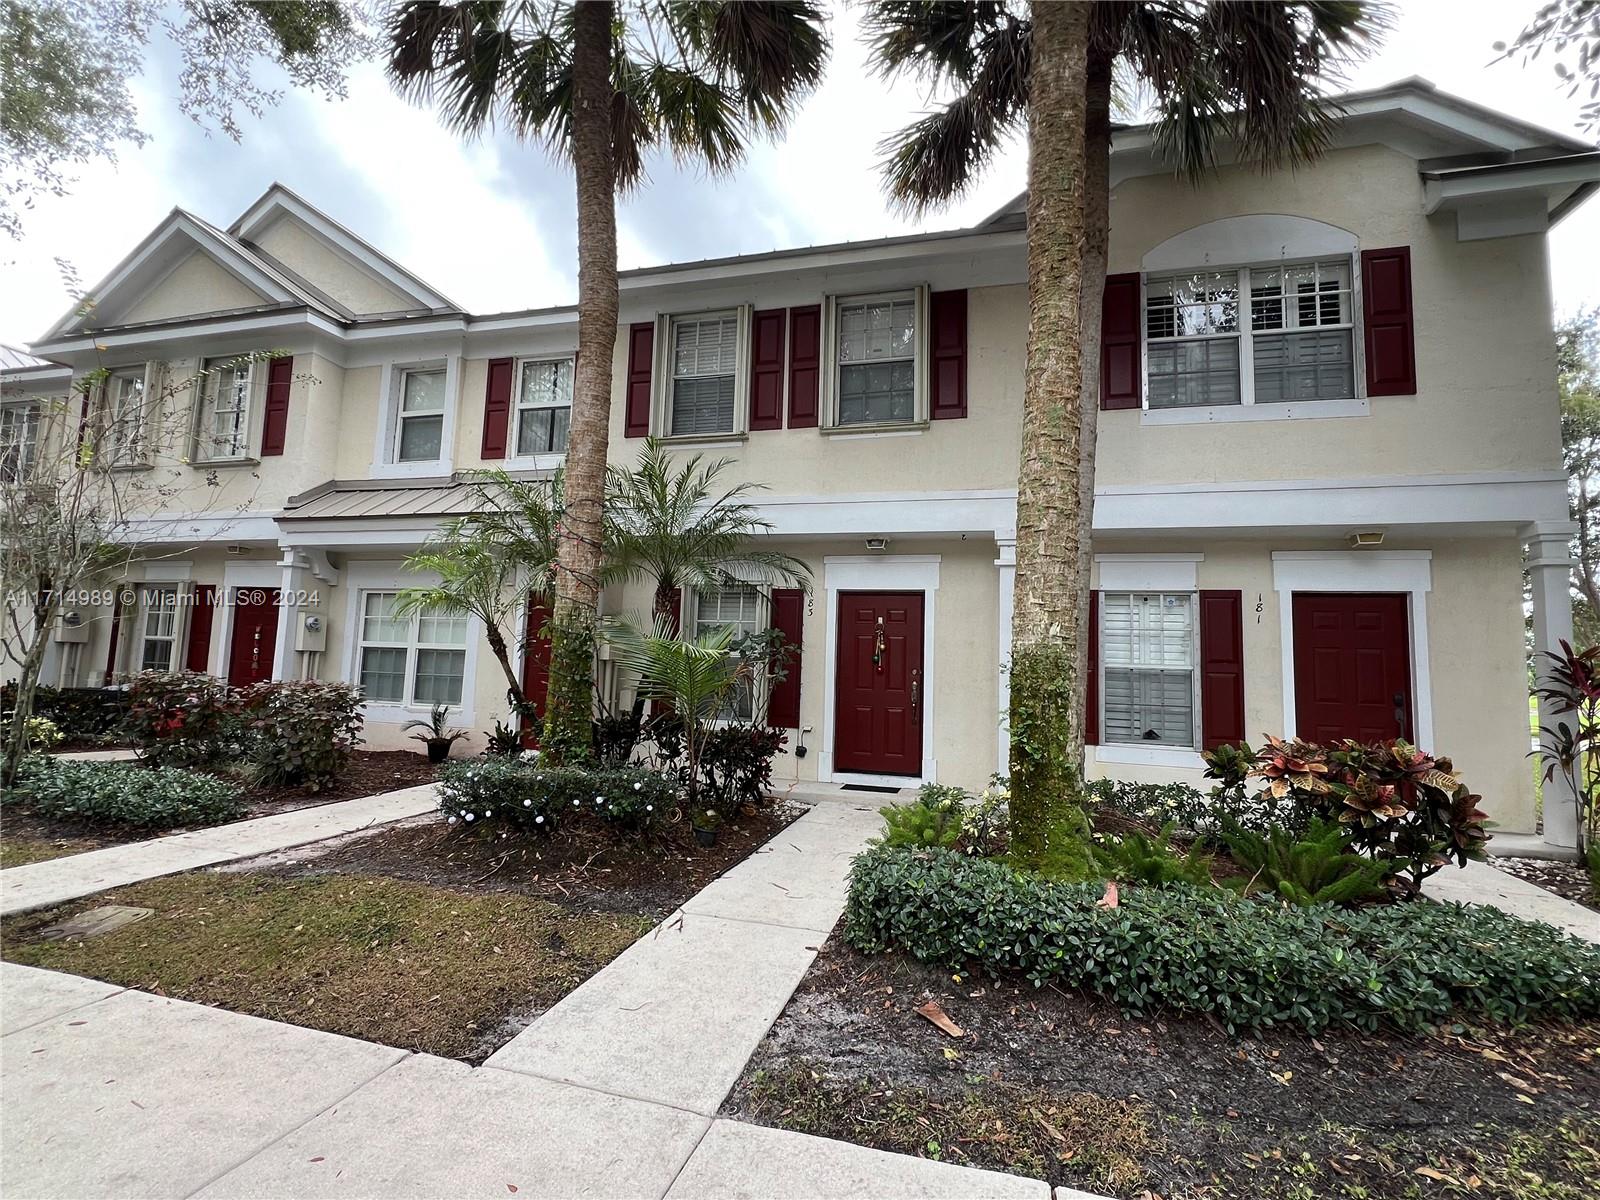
(122, 794)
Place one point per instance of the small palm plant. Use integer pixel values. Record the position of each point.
(435, 733)
(694, 676)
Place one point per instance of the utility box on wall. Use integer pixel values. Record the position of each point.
(72, 626)
(312, 634)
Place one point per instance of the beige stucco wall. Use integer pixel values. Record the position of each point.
(297, 248)
(197, 285)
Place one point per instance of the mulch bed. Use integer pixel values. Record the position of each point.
(1064, 1087)
(1566, 879)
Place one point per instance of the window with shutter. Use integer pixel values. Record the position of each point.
(704, 362)
(1147, 657)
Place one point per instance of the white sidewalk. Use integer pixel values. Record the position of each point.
(1482, 883)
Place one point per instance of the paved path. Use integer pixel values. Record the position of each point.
(118, 1093)
(1482, 883)
(40, 885)
(123, 755)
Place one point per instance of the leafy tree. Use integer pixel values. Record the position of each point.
(1241, 72)
(1567, 27)
(604, 84)
(679, 527)
(1578, 381)
(64, 68)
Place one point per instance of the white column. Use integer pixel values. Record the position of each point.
(1006, 567)
(1550, 571)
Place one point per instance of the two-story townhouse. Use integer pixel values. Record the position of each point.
(1329, 433)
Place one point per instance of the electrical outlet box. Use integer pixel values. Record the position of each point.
(71, 627)
(312, 634)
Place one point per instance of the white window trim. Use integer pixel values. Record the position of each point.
(881, 573)
(690, 624)
(1356, 405)
(1406, 571)
(361, 578)
(385, 464)
(830, 360)
(149, 374)
(1144, 752)
(32, 418)
(661, 393)
(543, 461)
(146, 608)
(255, 403)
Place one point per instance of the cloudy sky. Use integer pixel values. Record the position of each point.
(491, 224)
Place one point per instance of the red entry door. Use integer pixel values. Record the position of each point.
(535, 666)
(1352, 667)
(255, 635)
(877, 725)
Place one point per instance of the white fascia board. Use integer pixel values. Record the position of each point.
(169, 530)
(1554, 181)
(210, 329)
(991, 512)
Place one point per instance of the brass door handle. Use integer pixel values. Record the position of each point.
(916, 689)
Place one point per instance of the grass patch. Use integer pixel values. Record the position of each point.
(407, 964)
(20, 851)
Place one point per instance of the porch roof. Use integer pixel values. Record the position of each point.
(354, 499)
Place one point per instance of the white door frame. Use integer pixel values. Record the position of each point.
(879, 573)
(1406, 571)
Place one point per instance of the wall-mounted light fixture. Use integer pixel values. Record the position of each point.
(1366, 537)
(877, 543)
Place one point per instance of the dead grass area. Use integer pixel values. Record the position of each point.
(1064, 1087)
(18, 850)
(426, 968)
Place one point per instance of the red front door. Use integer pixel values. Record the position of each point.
(535, 666)
(1352, 667)
(255, 635)
(878, 693)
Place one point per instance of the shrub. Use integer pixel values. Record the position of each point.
(736, 765)
(90, 715)
(300, 732)
(986, 825)
(1136, 858)
(181, 719)
(1191, 811)
(1249, 963)
(40, 734)
(932, 820)
(111, 793)
(517, 792)
(1316, 868)
(615, 736)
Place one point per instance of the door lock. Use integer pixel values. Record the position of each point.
(916, 689)
(1400, 712)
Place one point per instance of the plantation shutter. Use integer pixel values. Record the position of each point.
(947, 345)
(275, 418)
(1148, 667)
(788, 617)
(1221, 668)
(497, 408)
(641, 356)
(1386, 313)
(1120, 340)
(1091, 695)
(197, 654)
(805, 365)
(767, 344)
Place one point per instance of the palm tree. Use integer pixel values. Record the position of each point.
(604, 83)
(675, 525)
(1243, 72)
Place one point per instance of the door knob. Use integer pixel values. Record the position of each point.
(1400, 712)
(916, 689)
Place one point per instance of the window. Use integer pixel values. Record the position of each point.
(160, 629)
(1147, 667)
(738, 608)
(877, 360)
(421, 435)
(124, 417)
(705, 359)
(1256, 335)
(19, 440)
(224, 409)
(416, 659)
(544, 407)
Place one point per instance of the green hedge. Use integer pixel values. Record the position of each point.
(128, 794)
(517, 792)
(1250, 963)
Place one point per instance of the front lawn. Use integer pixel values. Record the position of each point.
(1062, 1086)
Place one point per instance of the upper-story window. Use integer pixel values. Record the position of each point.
(1147, 667)
(421, 434)
(544, 407)
(224, 424)
(125, 416)
(1251, 335)
(19, 440)
(704, 362)
(877, 360)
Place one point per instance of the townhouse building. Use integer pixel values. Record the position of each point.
(1328, 450)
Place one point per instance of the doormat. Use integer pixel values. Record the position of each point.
(867, 787)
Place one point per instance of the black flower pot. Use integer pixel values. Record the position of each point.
(705, 837)
(438, 750)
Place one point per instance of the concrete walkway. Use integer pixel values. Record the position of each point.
(1482, 883)
(40, 885)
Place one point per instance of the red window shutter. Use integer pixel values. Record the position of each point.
(1120, 332)
(116, 631)
(805, 365)
(1091, 695)
(1386, 312)
(788, 616)
(767, 329)
(275, 421)
(497, 407)
(1221, 668)
(947, 344)
(198, 655)
(641, 356)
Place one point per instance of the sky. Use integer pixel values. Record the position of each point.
(492, 223)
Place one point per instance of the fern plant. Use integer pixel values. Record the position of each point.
(1317, 867)
(932, 820)
(1137, 858)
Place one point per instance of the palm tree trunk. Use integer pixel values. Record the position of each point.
(1096, 235)
(570, 703)
(1046, 746)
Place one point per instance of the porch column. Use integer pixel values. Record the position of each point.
(1006, 566)
(307, 574)
(1550, 571)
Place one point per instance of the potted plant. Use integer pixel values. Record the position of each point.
(436, 733)
(705, 824)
